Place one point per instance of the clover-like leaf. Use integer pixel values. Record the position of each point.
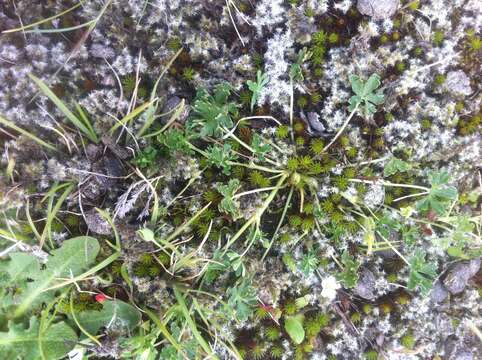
(365, 95)
(394, 166)
(422, 273)
(228, 204)
(220, 157)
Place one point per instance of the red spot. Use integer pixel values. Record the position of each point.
(431, 215)
(100, 298)
(426, 230)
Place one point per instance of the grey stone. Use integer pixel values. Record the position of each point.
(458, 83)
(459, 274)
(169, 107)
(96, 223)
(366, 285)
(438, 293)
(377, 9)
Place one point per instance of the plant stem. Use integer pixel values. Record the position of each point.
(345, 124)
(386, 183)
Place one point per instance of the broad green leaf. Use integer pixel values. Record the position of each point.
(71, 259)
(294, 328)
(27, 344)
(114, 314)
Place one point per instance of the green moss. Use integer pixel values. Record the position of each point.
(319, 37)
(256, 178)
(257, 352)
(341, 182)
(188, 73)
(302, 102)
(300, 141)
(282, 132)
(474, 43)
(308, 223)
(298, 127)
(308, 208)
(383, 39)
(276, 351)
(413, 5)
(315, 98)
(295, 220)
(408, 341)
(333, 38)
(395, 36)
(400, 66)
(305, 161)
(355, 317)
(439, 79)
(351, 152)
(437, 38)
(290, 307)
(426, 124)
(245, 97)
(366, 308)
(316, 146)
(273, 333)
(146, 259)
(327, 206)
(370, 355)
(309, 12)
(292, 164)
(417, 51)
(173, 44)
(318, 72)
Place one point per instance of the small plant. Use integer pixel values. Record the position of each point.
(365, 94)
(257, 86)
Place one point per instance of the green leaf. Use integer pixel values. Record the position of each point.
(365, 95)
(294, 328)
(220, 157)
(394, 166)
(356, 84)
(440, 194)
(259, 148)
(372, 83)
(242, 299)
(228, 205)
(421, 273)
(211, 113)
(71, 259)
(349, 276)
(257, 87)
(114, 314)
(28, 344)
(309, 263)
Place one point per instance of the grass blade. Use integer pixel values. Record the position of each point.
(11, 125)
(61, 106)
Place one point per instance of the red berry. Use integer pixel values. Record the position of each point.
(100, 298)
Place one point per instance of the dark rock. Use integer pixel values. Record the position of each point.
(93, 152)
(366, 285)
(459, 274)
(96, 223)
(377, 9)
(169, 107)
